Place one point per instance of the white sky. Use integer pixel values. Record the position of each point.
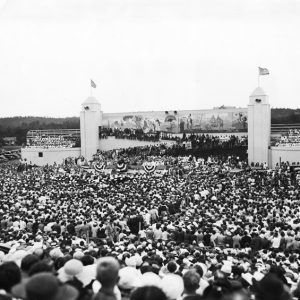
(146, 54)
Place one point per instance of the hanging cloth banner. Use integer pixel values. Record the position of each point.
(121, 167)
(149, 167)
(86, 167)
(99, 167)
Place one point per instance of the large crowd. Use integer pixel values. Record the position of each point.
(192, 140)
(130, 134)
(206, 229)
(291, 139)
(196, 145)
(49, 141)
(208, 142)
(166, 151)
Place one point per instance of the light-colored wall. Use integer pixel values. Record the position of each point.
(111, 143)
(290, 154)
(259, 130)
(90, 121)
(50, 156)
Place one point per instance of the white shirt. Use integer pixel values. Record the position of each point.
(203, 284)
(276, 242)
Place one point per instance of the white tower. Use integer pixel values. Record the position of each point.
(90, 120)
(259, 127)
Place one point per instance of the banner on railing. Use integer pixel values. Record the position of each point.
(86, 167)
(121, 167)
(149, 167)
(99, 166)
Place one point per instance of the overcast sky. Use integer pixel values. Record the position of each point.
(146, 54)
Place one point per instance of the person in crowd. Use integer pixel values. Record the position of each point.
(220, 225)
(148, 293)
(108, 276)
(45, 286)
(10, 275)
(191, 280)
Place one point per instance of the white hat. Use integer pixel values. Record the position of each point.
(130, 261)
(56, 253)
(172, 285)
(129, 278)
(73, 267)
(78, 254)
(87, 275)
(17, 256)
(150, 278)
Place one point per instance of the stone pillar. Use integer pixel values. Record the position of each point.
(90, 120)
(259, 127)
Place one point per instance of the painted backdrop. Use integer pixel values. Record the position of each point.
(185, 121)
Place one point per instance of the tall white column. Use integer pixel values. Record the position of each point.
(90, 120)
(259, 127)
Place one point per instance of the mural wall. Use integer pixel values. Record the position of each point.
(194, 121)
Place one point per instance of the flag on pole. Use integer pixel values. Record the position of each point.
(263, 71)
(93, 84)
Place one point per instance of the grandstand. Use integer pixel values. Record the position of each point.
(285, 135)
(59, 138)
(290, 139)
(278, 129)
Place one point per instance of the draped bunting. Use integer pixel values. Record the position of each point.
(85, 167)
(149, 167)
(99, 167)
(121, 167)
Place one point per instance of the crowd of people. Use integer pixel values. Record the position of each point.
(195, 141)
(130, 134)
(50, 142)
(203, 141)
(165, 151)
(291, 139)
(206, 229)
(209, 140)
(196, 145)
